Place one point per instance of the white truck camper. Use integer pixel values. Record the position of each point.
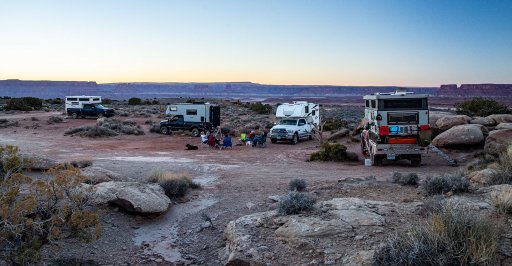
(79, 101)
(197, 112)
(297, 120)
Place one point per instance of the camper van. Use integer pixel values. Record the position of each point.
(82, 106)
(194, 117)
(297, 120)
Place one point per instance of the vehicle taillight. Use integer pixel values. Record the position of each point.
(383, 130)
(424, 127)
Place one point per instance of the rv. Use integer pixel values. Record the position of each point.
(297, 120)
(195, 117)
(396, 127)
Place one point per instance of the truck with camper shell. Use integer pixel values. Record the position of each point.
(396, 126)
(297, 120)
(83, 106)
(193, 117)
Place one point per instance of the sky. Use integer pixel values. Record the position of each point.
(316, 42)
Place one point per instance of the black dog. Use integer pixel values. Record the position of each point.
(191, 147)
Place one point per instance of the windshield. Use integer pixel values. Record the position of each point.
(99, 106)
(288, 122)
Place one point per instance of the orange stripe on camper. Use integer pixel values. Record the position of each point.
(402, 141)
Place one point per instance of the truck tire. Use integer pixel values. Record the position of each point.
(310, 136)
(295, 138)
(195, 132)
(273, 140)
(164, 130)
(74, 115)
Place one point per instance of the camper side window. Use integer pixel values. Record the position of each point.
(191, 111)
(83, 99)
(173, 108)
(71, 99)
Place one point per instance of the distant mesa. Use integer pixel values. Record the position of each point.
(475, 90)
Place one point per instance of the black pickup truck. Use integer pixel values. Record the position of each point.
(178, 123)
(96, 110)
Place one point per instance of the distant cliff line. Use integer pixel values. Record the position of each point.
(59, 89)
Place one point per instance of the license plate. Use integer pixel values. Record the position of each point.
(391, 157)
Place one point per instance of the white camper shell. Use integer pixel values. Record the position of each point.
(300, 109)
(79, 101)
(195, 112)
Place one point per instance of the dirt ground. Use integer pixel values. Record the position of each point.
(234, 183)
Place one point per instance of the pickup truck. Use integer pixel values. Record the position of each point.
(292, 129)
(96, 110)
(178, 123)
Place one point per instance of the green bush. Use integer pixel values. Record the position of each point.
(134, 101)
(454, 236)
(410, 179)
(24, 104)
(106, 101)
(481, 107)
(261, 108)
(297, 185)
(446, 183)
(295, 203)
(330, 152)
(333, 124)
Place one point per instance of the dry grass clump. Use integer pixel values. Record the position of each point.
(330, 152)
(503, 169)
(107, 128)
(454, 236)
(175, 185)
(446, 183)
(502, 200)
(410, 179)
(91, 132)
(54, 120)
(295, 203)
(4, 123)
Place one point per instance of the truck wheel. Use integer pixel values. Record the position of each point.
(164, 130)
(310, 136)
(295, 139)
(74, 115)
(273, 140)
(195, 132)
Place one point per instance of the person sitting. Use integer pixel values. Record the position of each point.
(212, 141)
(204, 137)
(226, 143)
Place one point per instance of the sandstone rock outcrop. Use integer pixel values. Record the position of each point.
(447, 122)
(462, 135)
(95, 175)
(498, 141)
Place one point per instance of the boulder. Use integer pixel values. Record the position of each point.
(498, 141)
(339, 134)
(462, 135)
(96, 175)
(132, 196)
(504, 126)
(501, 118)
(433, 117)
(484, 121)
(447, 122)
(39, 163)
(481, 177)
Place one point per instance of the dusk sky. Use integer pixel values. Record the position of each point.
(361, 42)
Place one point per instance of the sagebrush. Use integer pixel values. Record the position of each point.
(502, 201)
(175, 185)
(330, 152)
(446, 183)
(295, 203)
(297, 185)
(481, 107)
(503, 169)
(454, 236)
(410, 179)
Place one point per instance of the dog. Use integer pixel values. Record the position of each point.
(191, 147)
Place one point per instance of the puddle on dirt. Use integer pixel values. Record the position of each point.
(161, 236)
(150, 159)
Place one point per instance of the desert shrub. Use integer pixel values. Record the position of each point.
(410, 179)
(502, 200)
(503, 169)
(54, 119)
(134, 101)
(330, 152)
(297, 185)
(91, 131)
(4, 123)
(35, 211)
(33, 118)
(333, 124)
(446, 183)
(295, 203)
(455, 236)
(481, 107)
(10, 162)
(175, 185)
(155, 102)
(148, 122)
(106, 128)
(261, 108)
(106, 101)
(55, 101)
(24, 104)
(155, 128)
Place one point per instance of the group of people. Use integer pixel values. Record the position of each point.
(214, 142)
(254, 139)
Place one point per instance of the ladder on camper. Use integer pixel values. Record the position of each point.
(445, 156)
